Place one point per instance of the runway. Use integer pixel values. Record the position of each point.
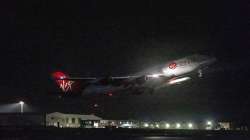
(118, 134)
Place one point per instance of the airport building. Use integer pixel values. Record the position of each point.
(63, 120)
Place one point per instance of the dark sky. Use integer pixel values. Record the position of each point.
(39, 37)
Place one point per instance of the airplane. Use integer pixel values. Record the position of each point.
(164, 75)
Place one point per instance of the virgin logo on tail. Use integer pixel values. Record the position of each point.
(62, 82)
(66, 85)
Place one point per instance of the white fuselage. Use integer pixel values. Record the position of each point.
(179, 67)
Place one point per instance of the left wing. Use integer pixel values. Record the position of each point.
(76, 84)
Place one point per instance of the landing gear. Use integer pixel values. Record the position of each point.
(200, 73)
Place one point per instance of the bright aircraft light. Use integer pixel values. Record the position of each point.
(179, 80)
(156, 75)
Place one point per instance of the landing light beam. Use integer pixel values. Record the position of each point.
(179, 80)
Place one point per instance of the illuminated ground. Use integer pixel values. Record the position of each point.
(53, 133)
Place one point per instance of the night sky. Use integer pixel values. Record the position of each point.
(39, 37)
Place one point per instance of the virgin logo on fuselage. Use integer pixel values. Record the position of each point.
(172, 65)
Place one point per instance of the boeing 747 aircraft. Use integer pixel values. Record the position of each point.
(170, 73)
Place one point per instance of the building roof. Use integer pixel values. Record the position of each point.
(83, 117)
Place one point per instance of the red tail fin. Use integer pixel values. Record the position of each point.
(62, 81)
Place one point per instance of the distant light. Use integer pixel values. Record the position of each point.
(157, 125)
(21, 102)
(178, 125)
(96, 125)
(167, 125)
(110, 94)
(145, 124)
(190, 125)
(209, 123)
(126, 125)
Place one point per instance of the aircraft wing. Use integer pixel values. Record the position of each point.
(76, 84)
(169, 73)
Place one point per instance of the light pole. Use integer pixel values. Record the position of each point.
(21, 105)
